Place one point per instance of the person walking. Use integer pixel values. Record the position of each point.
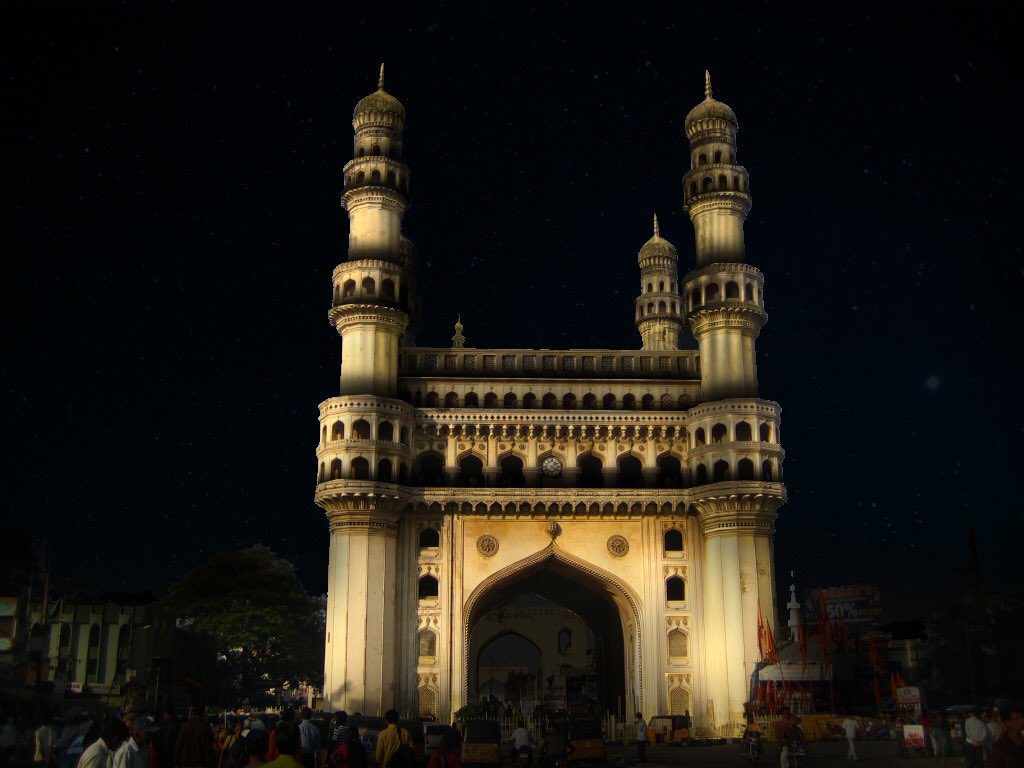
(850, 729)
(256, 743)
(45, 741)
(134, 752)
(166, 740)
(641, 738)
(1008, 751)
(194, 746)
(286, 736)
(940, 736)
(394, 745)
(100, 754)
(309, 735)
(975, 736)
(337, 731)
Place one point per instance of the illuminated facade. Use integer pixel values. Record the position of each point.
(636, 488)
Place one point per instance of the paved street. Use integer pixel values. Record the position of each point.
(876, 754)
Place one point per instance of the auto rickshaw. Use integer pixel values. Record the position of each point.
(587, 741)
(670, 729)
(481, 743)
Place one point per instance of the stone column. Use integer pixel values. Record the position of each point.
(362, 643)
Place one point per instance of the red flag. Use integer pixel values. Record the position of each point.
(824, 634)
(803, 643)
(760, 632)
(899, 680)
(878, 692)
(771, 652)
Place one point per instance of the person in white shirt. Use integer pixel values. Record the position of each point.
(100, 754)
(134, 752)
(46, 740)
(520, 739)
(850, 729)
(975, 736)
(641, 738)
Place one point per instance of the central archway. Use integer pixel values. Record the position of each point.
(609, 608)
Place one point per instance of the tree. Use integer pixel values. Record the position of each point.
(268, 631)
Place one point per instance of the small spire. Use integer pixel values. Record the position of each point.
(707, 82)
(458, 340)
(656, 232)
(380, 79)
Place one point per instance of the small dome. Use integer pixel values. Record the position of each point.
(710, 108)
(382, 101)
(657, 245)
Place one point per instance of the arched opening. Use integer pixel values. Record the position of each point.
(608, 402)
(590, 475)
(710, 293)
(662, 307)
(723, 183)
(718, 155)
(369, 286)
(648, 402)
(471, 400)
(471, 472)
(387, 289)
(546, 615)
(510, 400)
(427, 589)
(336, 469)
(735, 183)
(706, 184)
(650, 287)
(675, 589)
(765, 432)
(428, 469)
(721, 471)
(666, 402)
(748, 291)
(511, 473)
(732, 290)
(743, 431)
(392, 181)
(490, 400)
(427, 640)
(629, 402)
(375, 176)
(677, 645)
(678, 701)
(384, 471)
(670, 472)
(590, 401)
(630, 472)
(404, 436)
(386, 431)
(549, 401)
(529, 400)
(361, 429)
(430, 401)
(766, 471)
(568, 401)
(360, 469)
(430, 538)
(673, 540)
(702, 159)
(375, 149)
(719, 433)
(348, 289)
(702, 474)
(698, 437)
(361, 176)
(403, 295)
(451, 400)
(338, 430)
(693, 188)
(745, 469)
(321, 476)
(403, 473)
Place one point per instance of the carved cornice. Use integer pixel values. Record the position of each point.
(355, 500)
(737, 406)
(717, 200)
(374, 194)
(368, 265)
(724, 268)
(743, 316)
(376, 447)
(739, 507)
(369, 160)
(335, 406)
(738, 447)
(348, 315)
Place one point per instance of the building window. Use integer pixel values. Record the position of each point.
(608, 364)
(489, 362)
(426, 702)
(428, 643)
(677, 644)
(548, 362)
(675, 589)
(678, 701)
(673, 540)
(508, 363)
(469, 363)
(529, 363)
(564, 641)
(428, 588)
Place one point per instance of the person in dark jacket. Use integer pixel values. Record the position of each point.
(194, 745)
(165, 740)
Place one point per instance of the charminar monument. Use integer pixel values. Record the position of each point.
(613, 510)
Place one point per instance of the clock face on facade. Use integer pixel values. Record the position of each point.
(551, 467)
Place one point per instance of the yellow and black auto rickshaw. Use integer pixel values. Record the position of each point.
(481, 743)
(670, 729)
(587, 741)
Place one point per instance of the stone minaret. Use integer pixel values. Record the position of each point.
(724, 301)
(365, 440)
(659, 309)
(737, 492)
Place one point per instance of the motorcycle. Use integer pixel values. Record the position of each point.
(524, 758)
(752, 747)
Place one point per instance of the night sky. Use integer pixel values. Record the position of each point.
(172, 176)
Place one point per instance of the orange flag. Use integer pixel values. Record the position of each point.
(803, 643)
(771, 652)
(760, 632)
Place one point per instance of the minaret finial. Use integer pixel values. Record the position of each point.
(656, 232)
(458, 340)
(707, 82)
(380, 80)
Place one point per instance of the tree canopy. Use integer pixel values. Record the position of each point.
(268, 631)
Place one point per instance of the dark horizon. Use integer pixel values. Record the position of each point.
(174, 219)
